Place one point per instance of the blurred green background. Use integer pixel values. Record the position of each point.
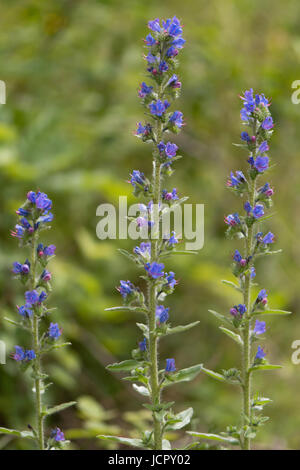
(72, 69)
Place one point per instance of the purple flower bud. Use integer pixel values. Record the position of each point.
(54, 331)
(58, 435)
(170, 366)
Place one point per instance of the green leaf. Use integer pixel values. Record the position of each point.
(58, 408)
(129, 364)
(181, 328)
(55, 346)
(184, 375)
(166, 445)
(264, 367)
(232, 284)
(124, 440)
(272, 312)
(14, 432)
(214, 375)
(220, 317)
(144, 328)
(179, 252)
(16, 323)
(126, 308)
(184, 417)
(127, 254)
(142, 390)
(232, 335)
(214, 437)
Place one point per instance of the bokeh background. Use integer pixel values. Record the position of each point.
(72, 69)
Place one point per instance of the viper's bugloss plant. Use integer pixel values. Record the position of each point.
(245, 323)
(163, 44)
(34, 217)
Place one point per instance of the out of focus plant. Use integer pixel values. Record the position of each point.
(163, 45)
(33, 217)
(244, 324)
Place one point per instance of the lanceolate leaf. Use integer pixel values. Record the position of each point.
(214, 437)
(124, 440)
(181, 328)
(272, 312)
(184, 375)
(58, 408)
(214, 375)
(232, 284)
(232, 335)
(129, 364)
(220, 317)
(126, 308)
(264, 367)
(14, 432)
(142, 390)
(184, 417)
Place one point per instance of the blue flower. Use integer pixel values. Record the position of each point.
(42, 202)
(163, 66)
(245, 136)
(157, 108)
(173, 82)
(232, 219)
(267, 123)
(57, 435)
(19, 231)
(262, 297)
(143, 249)
(162, 313)
(126, 288)
(154, 25)
(22, 211)
(137, 177)
(266, 190)
(261, 163)
(32, 297)
(237, 256)
(261, 99)
(31, 196)
(151, 59)
(237, 179)
(170, 196)
(19, 268)
(150, 41)
(45, 218)
(145, 90)
(172, 51)
(143, 345)
(176, 119)
(264, 147)
(169, 149)
(170, 366)
(46, 276)
(25, 310)
(269, 238)
(172, 240)
(155, 270)
(143, 131)
(54, 331)
(247, 207)
(170, 278)
(23, 354)
(238, 310)
(260, 353)
(49, 250)
(258, 211)
(252, 273)
(260, 327)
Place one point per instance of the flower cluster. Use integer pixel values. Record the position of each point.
(33, 217)
(242, 325)
(163, 44)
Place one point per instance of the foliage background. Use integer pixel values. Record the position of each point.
(72, 69)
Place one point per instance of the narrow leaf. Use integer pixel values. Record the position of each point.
(14, 432)
(58, 408)
(232, 284)
(220, 317)
(232, 335)
(214, 375)
(124, 440)
(272, 312)
(184, 375)
(126, 308)
(264, 367)
(214, 437)
(141, 389)
(129, 364)
(184, 417)
(180, 328)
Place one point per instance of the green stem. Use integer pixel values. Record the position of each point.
(36, 345)
(246, 364)
(152, 292)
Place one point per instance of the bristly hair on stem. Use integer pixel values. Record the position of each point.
(34, 216)
(244, 324)
(163, 44)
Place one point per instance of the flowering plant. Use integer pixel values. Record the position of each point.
(163, 44)
(244, 324)
(33, 217)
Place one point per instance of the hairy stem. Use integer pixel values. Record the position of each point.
(36, 345)
(153, 340)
